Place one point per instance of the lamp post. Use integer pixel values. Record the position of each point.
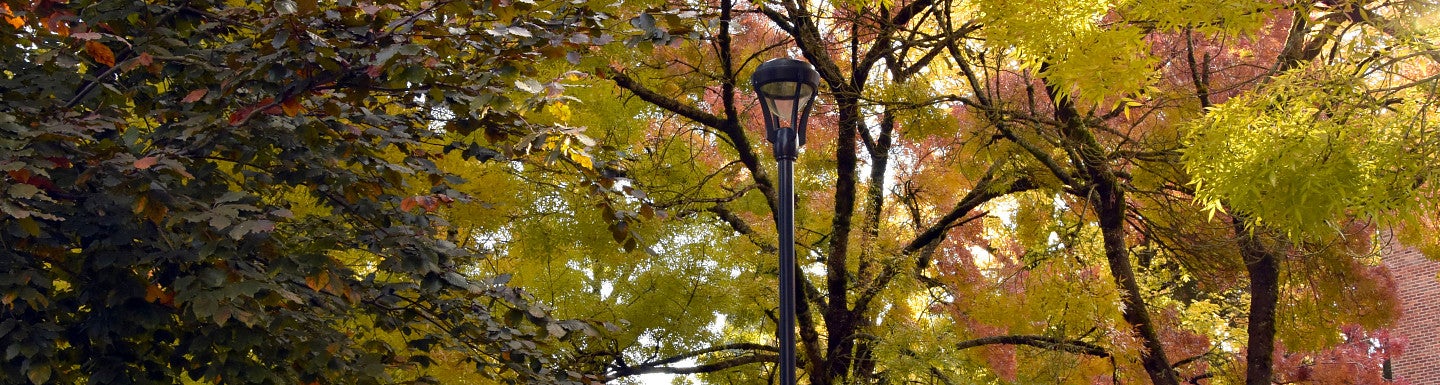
(786, 88)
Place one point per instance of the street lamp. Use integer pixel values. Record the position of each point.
(786, 88)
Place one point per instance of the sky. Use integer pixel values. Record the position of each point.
(657, 379)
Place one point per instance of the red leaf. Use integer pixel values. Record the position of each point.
(239, 116)
(100, 53)
(408, 203)
(242, 114)
(146, 162)
(195, 95)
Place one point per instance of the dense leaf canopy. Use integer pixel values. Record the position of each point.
(992, 191)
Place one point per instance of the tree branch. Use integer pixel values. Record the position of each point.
(1043, 342)
(974, 198)
(662, 366)
(666, 103)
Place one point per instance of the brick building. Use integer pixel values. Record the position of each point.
(1419, 291)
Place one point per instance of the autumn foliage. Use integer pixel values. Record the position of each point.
(579, 192)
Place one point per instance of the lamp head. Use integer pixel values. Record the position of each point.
(787, 89)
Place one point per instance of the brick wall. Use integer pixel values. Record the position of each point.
(1419, 292)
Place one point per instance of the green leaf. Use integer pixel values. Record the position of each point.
(30, 226)
(285, 7)
(529, 85)
(22, 191)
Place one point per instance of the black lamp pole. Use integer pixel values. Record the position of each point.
(786, 88)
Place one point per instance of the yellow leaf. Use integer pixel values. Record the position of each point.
(582, 159)
(100, 53)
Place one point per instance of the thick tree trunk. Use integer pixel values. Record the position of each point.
(1264, 269)
(840, 321)
(1110, 205)
(1103, 190)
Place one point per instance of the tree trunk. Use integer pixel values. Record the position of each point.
(1109, 202)
(1103, 190)
(1264, 269)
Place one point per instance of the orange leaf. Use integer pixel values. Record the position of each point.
(291, 106)
(20, 175)
(140, 202)
(408, 203)
(56, 23)
(100, 53)
(145, 59)
(10, 18)
(318, 282)
(146, 162)
(154, 293)
(195, 95)
(156, 213)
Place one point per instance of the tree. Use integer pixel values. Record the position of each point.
(237, 192)
(995, 191)
(972, 153)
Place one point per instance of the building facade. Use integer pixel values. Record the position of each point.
(1417, 281)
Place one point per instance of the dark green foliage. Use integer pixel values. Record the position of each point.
(159, 159)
